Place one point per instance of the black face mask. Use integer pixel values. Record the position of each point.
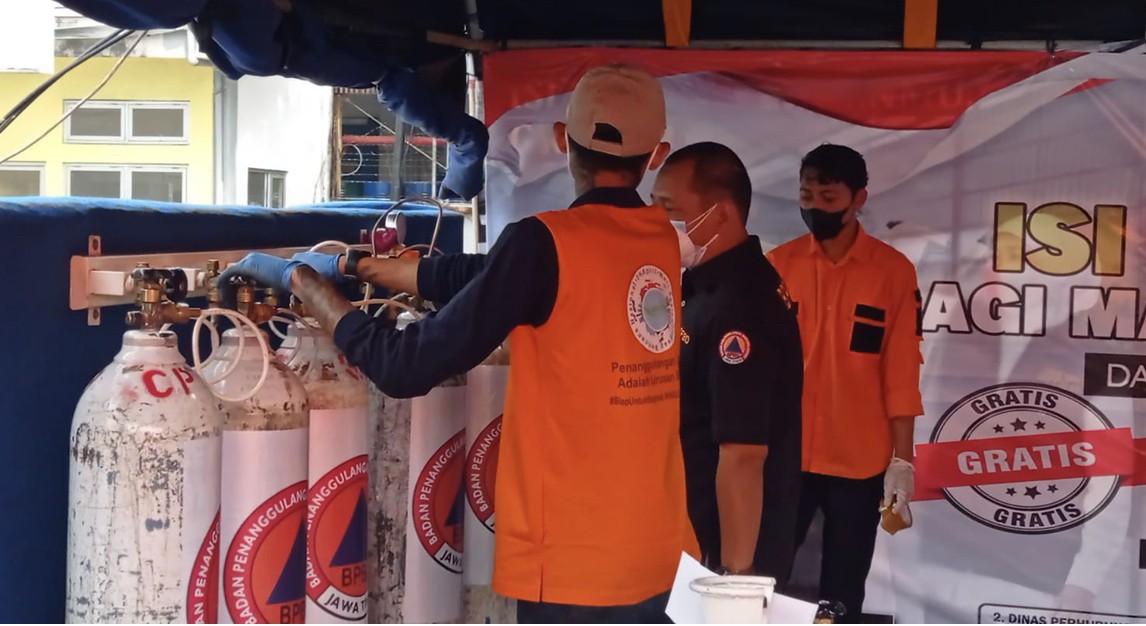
(823, 224)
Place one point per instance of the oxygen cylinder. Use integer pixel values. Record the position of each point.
(435, 539)
(143, 534)
(337, 512)
(416, 475)
(389, 422)
(264, 484)
(485, 403)
(389, 486)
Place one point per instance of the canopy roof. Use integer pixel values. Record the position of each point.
(411, 50)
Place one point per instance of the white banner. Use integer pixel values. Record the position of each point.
(1014, 182)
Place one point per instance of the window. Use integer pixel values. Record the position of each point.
(127, 122)
(165, 186)
(158, 123)
(95, 183)
(136, 182)
(21, 179)
(95, 122)
(266, 188)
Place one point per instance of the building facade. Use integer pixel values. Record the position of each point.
(166, 126)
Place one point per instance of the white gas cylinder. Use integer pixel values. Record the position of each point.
(143, 518)
(339, 473)
(264, 484)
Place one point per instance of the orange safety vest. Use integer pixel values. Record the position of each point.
(590, 486)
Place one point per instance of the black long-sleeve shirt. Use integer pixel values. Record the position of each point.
(487, 296)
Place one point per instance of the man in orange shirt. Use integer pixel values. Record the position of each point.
(858, 305)
(590, 494)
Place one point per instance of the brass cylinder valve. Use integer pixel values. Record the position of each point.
(156, 291)
(211, 281)
(247, 304)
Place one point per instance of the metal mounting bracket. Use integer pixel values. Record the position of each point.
(99, 280)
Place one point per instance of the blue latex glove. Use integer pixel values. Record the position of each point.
(267, 270)
(325, 264)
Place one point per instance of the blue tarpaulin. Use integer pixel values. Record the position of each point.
(314, 41)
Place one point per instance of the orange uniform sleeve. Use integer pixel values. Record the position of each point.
(903, 356)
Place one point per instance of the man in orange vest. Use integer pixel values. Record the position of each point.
(590, 493)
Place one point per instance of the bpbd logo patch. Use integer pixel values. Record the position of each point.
(265, 581)
(481, 473)
(203, 585)
(336, 570)
(438, 506)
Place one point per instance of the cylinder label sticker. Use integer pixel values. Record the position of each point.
(481, 471)
(264, 582)
(336, 571)
(201, 460)
(438, 501)
(264, 497)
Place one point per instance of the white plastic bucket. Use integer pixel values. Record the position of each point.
(735, 599)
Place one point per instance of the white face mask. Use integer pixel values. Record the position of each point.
(690, 254)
